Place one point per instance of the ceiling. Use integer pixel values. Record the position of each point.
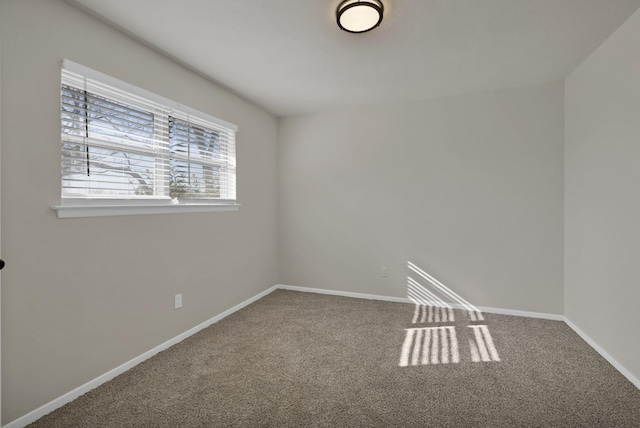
(290, 57)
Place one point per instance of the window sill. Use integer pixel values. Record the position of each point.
(73, 211)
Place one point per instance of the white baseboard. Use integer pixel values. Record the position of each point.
(407, 300)
(626, 373)
(343, 293)
(83, 389)
(527, 314)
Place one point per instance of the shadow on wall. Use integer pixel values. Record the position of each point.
(439, 344)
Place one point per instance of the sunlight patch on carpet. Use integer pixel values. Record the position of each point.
(430, 345)
(482, 347)
(432, 314)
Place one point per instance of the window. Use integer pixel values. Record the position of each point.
(125, 147)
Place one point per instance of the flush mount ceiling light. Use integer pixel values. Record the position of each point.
(359, 16)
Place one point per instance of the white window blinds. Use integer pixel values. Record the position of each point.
(121, 142)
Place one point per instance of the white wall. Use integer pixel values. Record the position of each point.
(469, 188)
(602, 185)
(81, 296)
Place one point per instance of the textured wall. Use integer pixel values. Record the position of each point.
(602, 178)
(468, 188)
(82, 296)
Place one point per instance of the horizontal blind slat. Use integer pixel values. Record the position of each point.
(118, 143)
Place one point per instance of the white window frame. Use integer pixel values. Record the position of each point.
(71, 207)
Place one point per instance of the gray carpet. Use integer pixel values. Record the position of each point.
(304, 360)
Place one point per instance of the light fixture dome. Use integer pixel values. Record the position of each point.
(359, 16)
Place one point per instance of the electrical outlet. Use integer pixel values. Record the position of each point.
(177, 301)
(384, 271)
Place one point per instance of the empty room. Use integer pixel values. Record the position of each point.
(331, 213)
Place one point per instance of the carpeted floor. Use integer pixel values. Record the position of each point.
(297, 359)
